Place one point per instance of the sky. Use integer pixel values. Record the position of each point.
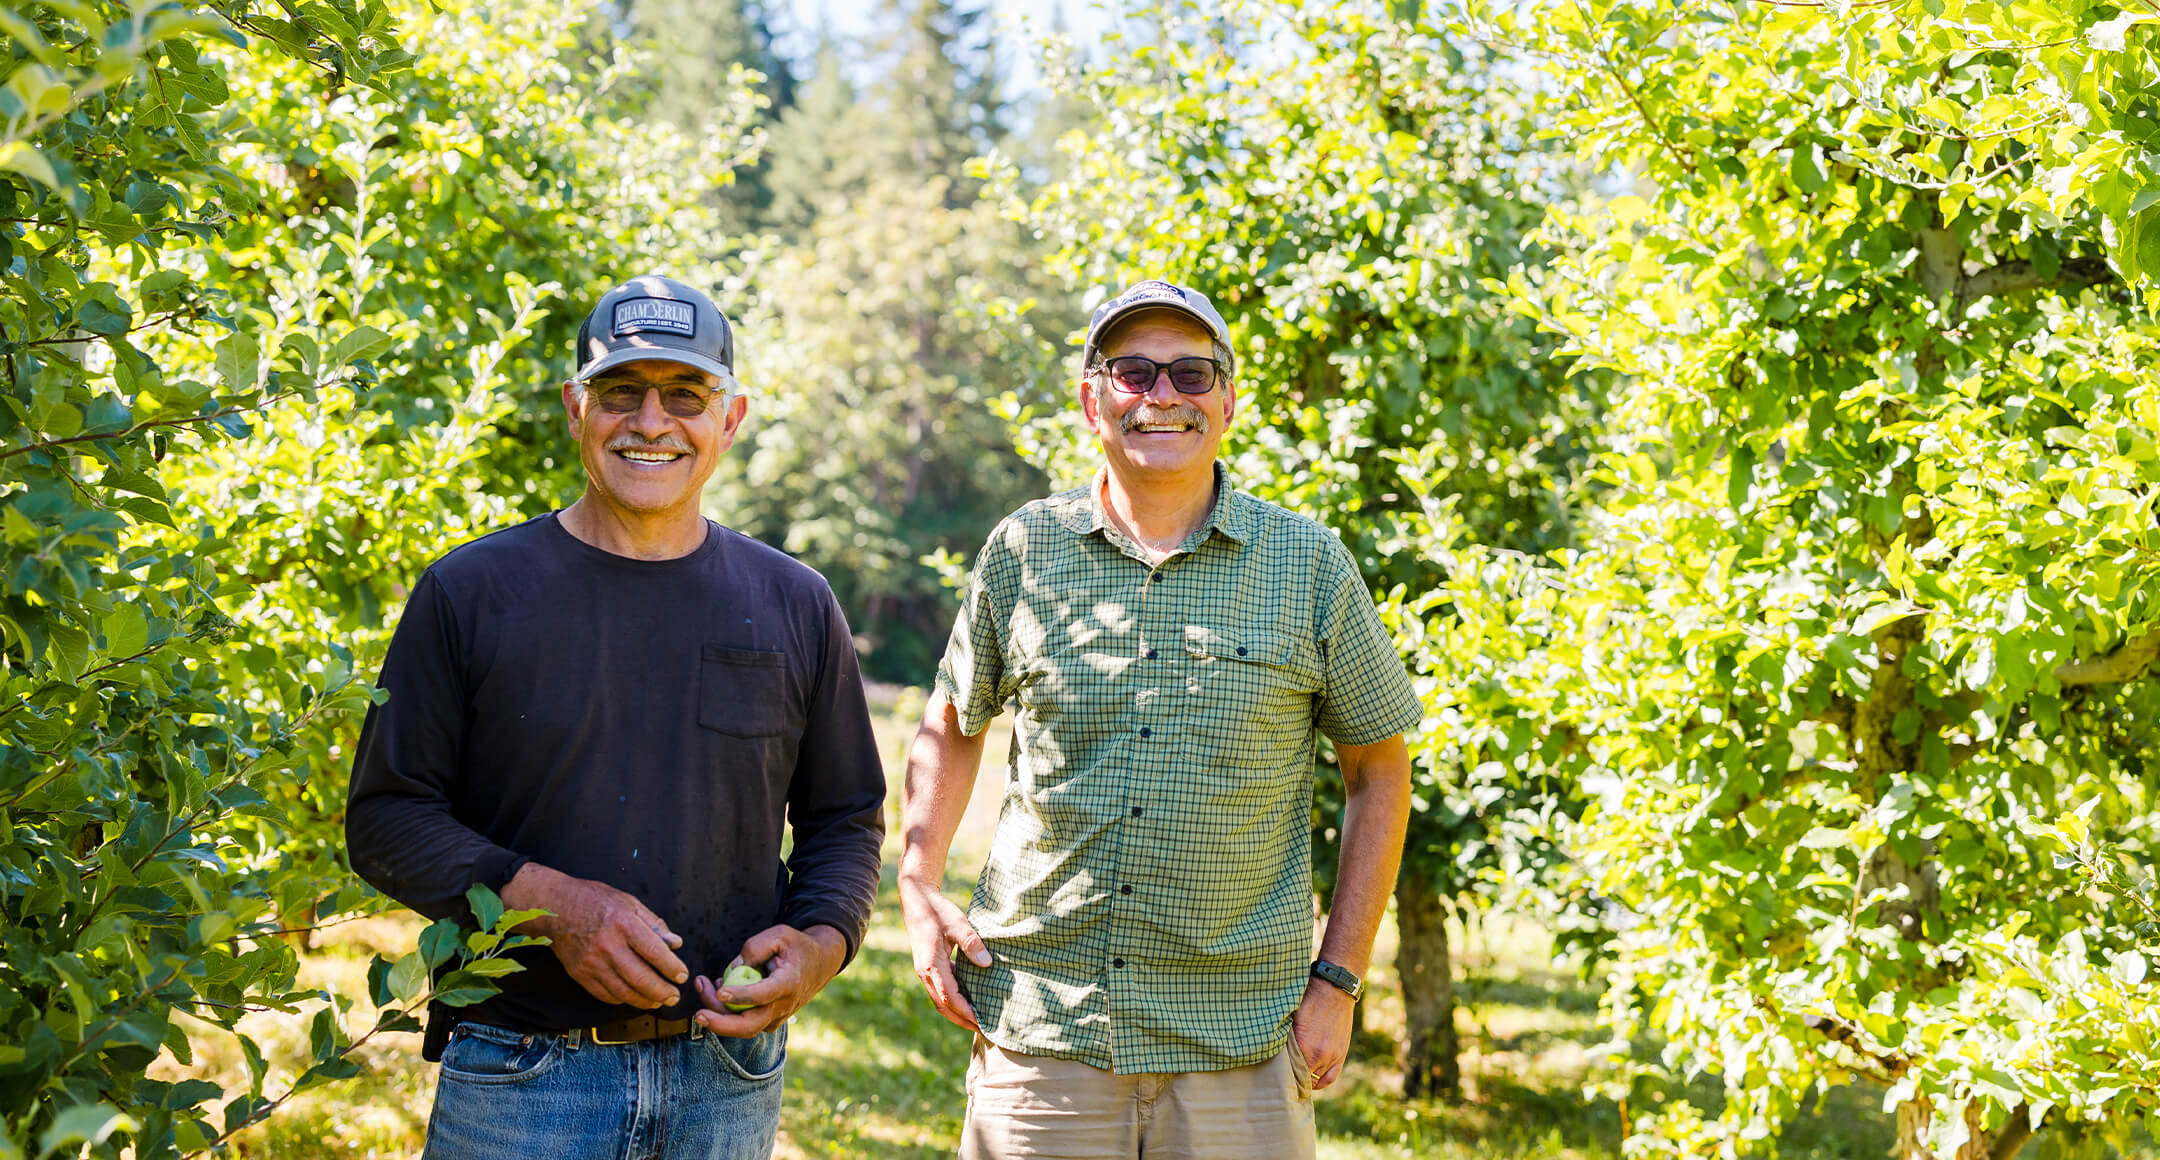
(1018, 23)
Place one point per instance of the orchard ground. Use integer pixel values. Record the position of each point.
(873, 1072)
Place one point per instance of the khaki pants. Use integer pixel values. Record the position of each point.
(1037, 1106)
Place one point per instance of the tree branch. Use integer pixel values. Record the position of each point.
(2011, 277)
(1942, 266)
(1842, 1033)
(123, 433)
(2015, 1131)
(1672, 148)
(2127, 663)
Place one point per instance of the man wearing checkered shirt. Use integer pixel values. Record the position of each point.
(1137, 961)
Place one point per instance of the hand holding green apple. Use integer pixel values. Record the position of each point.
(778, 970)
(741, 975)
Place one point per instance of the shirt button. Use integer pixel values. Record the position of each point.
(1125, 889)
(1241, 650)
(1136, 811)
(1144, 731)
(1117, 962)
(1149, 654)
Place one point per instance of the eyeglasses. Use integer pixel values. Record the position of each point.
(679, 399)
(1135, 375)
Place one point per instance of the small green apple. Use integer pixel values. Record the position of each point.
(741, 975)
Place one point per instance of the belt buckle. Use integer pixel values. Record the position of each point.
(629, 1026)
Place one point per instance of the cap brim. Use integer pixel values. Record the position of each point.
(1095, 332)
(631, 354)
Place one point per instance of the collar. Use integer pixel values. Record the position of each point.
(1081, 510)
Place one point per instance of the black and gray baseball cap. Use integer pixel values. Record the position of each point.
(651, 317)
(1152, 294)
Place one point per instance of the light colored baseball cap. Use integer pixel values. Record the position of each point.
(1152, 294)
(651, 317)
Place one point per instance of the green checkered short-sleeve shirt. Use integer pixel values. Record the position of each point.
(1148, 896)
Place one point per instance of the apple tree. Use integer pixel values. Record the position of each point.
(1864, 598)
(237, 326)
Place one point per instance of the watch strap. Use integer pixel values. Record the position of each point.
(1338, 977)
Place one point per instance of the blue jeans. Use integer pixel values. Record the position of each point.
(503, 1095)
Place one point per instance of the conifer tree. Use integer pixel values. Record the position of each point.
(879, 355)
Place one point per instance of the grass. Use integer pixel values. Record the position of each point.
(873, 1072)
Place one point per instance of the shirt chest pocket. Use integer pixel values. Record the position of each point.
(743, 692)
(1256, 689)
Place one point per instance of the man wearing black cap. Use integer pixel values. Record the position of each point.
(609, 713)
(1138, 959)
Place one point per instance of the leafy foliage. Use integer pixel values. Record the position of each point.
(254, 381)
(1870, 575)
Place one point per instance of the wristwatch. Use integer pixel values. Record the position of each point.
(1338, 977)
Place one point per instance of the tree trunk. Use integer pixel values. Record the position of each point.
(1427, 971)
(1914, 1116)
(1909, 893)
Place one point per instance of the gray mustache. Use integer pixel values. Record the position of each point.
(1182, 413)
(640, 445)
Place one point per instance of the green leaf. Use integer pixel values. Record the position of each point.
(327, 1071)
(68, 650)
(20, 157)
(1740, 483)
(126, 631)
(239, 362)
(408, 979)
(91, 1124)
(364, 342)
(98, 318)
(439, 942)
(323, 1034)
(2046, 257)
(304, 350)
(1825, 838)
(2139, 253)
(487, 908)
(378, 982)
(1807, 169)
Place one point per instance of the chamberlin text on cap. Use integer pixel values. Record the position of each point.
(651, 317)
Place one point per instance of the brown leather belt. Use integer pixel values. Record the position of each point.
(636, 1029)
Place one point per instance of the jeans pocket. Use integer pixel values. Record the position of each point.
(742, 692)
(753, 1060)
(478, 1053)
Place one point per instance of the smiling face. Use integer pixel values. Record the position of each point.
(649, 464)
(1158, 435)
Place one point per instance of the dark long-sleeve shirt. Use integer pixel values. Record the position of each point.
(647, 724)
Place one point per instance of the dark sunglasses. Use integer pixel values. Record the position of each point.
(1135, 375)
(679, 399)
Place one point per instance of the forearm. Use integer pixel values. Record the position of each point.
(537, 887)
(942, 764)
(1376, 810)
